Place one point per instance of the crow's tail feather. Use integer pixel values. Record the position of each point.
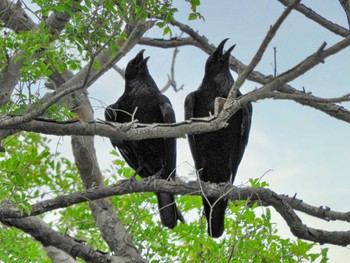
(215, 214)
(169, 213)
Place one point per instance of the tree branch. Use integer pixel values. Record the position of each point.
(283, 204)
(167, 43)
(171, 78)
(346, 6)
(14, 17)
(309, 13)
(122, 131)
(58, 256)
(82, 80)
(39, 230)
(111, 227)
(12, 74)
(259, 54)
(330, 109)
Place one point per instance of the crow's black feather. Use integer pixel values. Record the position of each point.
(217, 154)
(143, 101)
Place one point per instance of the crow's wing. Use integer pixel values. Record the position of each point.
(170, 143)
(189, 113)
(126, 148)
(245, 128)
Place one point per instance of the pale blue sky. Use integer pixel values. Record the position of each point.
(307, 150)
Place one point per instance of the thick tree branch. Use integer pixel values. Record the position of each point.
(233, 105)
(14, 17)
(58, 256)
(167, 43)
(330, 109)
(112, 229)
(283, 204)
(48, 237)
(12, 74)
(82, 80)
(122, 131)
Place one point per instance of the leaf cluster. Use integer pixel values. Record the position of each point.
(31, 173)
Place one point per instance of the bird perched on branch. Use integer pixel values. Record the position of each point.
(217, 154)
(143, 101)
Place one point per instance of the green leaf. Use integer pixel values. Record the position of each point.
(192, 16)
(167, 30)
(61, 67)
(96, 65)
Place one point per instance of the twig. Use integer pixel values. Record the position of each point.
(309, 13)
(171, 79)
(262, 196)
(258, 55)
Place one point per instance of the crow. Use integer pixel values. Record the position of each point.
(143, 101)
(217, 154)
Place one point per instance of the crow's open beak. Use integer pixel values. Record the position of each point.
(226, 56)
(139, 57)
(217, 54)
(143, 63)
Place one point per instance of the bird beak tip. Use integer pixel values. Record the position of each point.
(219, 50)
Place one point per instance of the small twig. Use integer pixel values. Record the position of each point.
(171, 78)
(258, 55)
(274, 61)
(133, 114)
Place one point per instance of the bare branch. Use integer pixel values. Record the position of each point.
(258, 55)
(274, 61)
(122, 131)
(263, 196)
(171, 79)
(139, 131)
(167, 43)
(346, 6)
(331, 109)
(337, 29)
(307, 97)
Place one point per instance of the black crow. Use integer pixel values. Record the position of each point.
(143, 101)
(217, 154)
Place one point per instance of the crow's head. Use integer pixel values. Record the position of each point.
(217, 61)
(136, 66)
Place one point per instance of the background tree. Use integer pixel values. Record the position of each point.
(53, 52)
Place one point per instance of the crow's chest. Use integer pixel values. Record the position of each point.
(204, 102)
(142, 106)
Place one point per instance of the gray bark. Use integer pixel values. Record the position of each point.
(58, 256)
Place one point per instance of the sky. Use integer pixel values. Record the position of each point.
(299, 149)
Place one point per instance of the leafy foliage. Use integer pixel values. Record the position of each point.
(31, 172)
(19, 247)
(94, 25)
